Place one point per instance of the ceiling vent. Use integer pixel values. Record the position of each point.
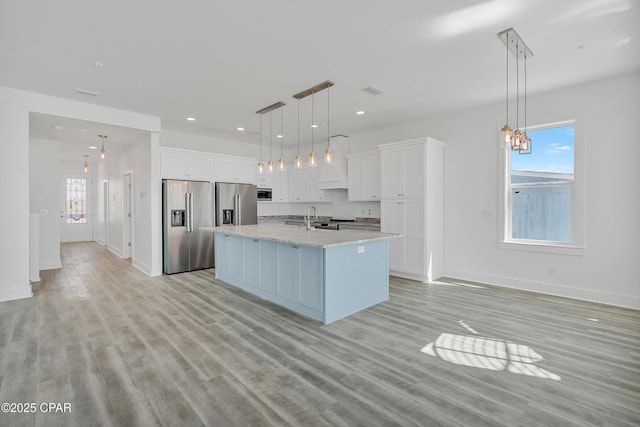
(87, 91)
(372, 90)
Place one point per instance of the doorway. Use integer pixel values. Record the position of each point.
(76, 211)
(127, 217)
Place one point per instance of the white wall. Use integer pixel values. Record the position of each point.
(189, 141)
(15, 106)
(44, 198)
(609, 272)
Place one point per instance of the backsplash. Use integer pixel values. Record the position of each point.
(338, 208)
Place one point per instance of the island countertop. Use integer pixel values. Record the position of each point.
(298, 235)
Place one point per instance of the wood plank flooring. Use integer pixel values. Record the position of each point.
(186, 350)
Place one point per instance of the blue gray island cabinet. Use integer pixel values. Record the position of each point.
(323, 274)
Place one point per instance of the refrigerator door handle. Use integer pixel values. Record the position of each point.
(236, 202)
(190, 211)
(186, 212)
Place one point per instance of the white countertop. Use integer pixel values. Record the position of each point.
(298, 235)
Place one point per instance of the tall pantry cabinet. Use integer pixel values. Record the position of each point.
(412, 175)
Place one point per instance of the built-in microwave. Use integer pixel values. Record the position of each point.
(264, 194)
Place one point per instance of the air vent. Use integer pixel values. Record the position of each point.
(372, 90)
(87, 91)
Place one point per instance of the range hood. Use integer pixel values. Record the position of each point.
(334, 176)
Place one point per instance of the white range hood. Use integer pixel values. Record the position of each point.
(334, 176)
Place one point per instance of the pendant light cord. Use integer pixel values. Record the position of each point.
(281, 131)
(507, 97)
(270, 136)
(328, 118)
(260, 137)
(525, 93)
(312, 122)
(298, 127)
(517, 86)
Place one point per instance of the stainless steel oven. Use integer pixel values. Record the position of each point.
(264, 194)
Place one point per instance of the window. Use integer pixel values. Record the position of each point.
(541, 185)
(76, 201)
(543, 195)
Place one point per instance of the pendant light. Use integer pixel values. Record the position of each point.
(526, 139)
(103, 152)
(297, 162)
(517, 139)
(328, 154)
(260, 164)
(506, 129)
(281, 162)
(261, 112)
(517, 134)
(86, 165)
(270, 163)
(313, 161)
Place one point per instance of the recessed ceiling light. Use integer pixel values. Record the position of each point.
(91, 147)
(360, 113)
(99, 64)
(58, 127)
(191, 119)
(241, 129)
(279, 136)
(314, 126)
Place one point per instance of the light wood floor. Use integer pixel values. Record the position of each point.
(124, 349)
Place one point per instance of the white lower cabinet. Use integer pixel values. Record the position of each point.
(405, 217)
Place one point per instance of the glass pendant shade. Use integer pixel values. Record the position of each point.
(260, 167)
(313, 161)
(507, 132)
(270, 166)
(517, 139)
(103, 152)
(281, 165)
(297, 162)
(86, 167)
(328, 157)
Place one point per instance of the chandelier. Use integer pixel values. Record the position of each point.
(516, 138)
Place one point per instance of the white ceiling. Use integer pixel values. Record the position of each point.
(221, 61)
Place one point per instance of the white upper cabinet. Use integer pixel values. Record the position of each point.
(234, 169)
(187, 165)
(264, 180)
(364, 176)
(303, 186)
(280, 186)
(402, 172)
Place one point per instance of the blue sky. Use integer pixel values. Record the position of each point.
(552, 151)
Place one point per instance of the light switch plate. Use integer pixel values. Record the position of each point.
(360, 249)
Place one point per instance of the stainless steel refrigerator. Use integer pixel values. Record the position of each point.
(187, 206)
(236, 204)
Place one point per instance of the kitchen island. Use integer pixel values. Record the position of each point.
(323, 274)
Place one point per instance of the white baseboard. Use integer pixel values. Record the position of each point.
(146, 269)
(50, 264)
(100, 241)
(19, 292)
(116, 251)
(602, 297)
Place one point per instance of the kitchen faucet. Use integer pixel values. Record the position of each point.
(307, 219)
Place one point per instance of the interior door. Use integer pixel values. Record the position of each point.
(76, 210)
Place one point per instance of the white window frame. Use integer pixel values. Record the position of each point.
(576, 246)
